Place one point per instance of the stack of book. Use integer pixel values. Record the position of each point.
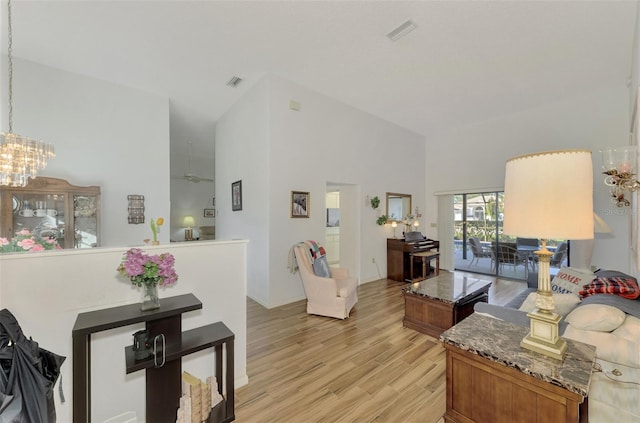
(197, 399)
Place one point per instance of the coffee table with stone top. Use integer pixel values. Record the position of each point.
(434, 305)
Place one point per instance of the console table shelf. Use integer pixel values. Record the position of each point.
(193, 340)
(163, 384)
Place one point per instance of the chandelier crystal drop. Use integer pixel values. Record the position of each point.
(20, 157)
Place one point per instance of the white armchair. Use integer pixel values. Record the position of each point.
(332, 297)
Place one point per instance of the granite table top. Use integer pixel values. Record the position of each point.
(449, 287)
(499, 341)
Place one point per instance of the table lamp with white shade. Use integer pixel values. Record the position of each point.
(548, 195)
(188, 222)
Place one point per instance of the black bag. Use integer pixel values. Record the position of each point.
(28, 374)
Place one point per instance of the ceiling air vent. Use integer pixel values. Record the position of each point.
(402, 30)
(234, 82)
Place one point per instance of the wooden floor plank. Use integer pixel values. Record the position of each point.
(367, 368)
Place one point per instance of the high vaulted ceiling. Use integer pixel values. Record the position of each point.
(467, 61)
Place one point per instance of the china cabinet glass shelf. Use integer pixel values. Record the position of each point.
(52, 208)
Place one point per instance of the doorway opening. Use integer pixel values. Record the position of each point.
(332, 235)
(342, 229)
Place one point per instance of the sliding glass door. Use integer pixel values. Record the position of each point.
(480, 245)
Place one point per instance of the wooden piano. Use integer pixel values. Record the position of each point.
(399, 255)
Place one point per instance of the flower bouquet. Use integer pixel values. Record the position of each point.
(148, 271)
(25, 241)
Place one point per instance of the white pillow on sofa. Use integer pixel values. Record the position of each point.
(596, 317)
(629, 330)
(564, 303)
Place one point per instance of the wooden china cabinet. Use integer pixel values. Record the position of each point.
(51, 207)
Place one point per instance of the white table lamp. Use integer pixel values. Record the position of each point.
(548, 195)
(188, 222)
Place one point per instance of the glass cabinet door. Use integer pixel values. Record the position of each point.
(85, 212)
(41, 214)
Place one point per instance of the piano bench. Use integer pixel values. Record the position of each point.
(426, 256)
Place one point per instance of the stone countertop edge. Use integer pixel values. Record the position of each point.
(499, 341)
(439, 297)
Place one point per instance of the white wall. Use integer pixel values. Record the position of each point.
(326, 141)
(104, 134)
(46, 291)
(474, 156)
(242, 153)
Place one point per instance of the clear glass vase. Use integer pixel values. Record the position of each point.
(150, 299)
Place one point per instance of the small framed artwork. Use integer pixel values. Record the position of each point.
(236, 196)
(299, 204)
(209, 212)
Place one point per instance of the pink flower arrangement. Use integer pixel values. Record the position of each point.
(25, 241)
(143, 269)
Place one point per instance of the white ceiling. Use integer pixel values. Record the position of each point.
(467, 60)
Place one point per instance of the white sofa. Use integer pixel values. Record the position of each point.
(332, 297)
(612, 324)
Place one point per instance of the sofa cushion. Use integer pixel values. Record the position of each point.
(629, 329)
(609, 347)
(564, 303)
(570, 281)
(596, 317)
(346, 287)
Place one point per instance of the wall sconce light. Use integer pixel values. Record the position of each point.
(619, 164)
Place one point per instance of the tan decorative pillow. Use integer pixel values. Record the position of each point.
(570, 281)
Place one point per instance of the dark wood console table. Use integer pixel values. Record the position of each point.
(163, 384)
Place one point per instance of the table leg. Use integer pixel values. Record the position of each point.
(411, 267)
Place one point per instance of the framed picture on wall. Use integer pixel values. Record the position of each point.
(209, 212)
(299, 204)
(236, 196)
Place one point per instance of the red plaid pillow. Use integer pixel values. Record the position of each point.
(623, 287)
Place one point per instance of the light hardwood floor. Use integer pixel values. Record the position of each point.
(368, 368)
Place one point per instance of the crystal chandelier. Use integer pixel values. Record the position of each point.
(20, 157)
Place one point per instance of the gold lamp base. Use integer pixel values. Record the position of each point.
(543, 337)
